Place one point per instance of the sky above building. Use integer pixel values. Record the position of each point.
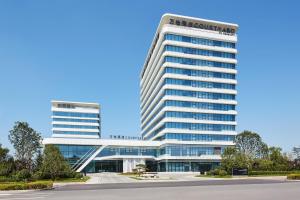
(94, 51)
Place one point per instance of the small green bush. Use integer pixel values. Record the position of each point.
(23, 174)
(293, 176)
(40, 185)
(222, 173)
(209, 173)
(26, 186)
(78, 175)
(217, 172)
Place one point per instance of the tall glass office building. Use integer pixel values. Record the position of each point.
(188, 105)
(188, 89)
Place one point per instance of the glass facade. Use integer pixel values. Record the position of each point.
(201, 52)
(197, 137)
(199, 73)
(75, 120)
(75, 133)
(72, 153)
(188, 150)
(136, 151)
(200, 95)
(186, 166)
(198, 62)
(214, 72)
(200, 116)
(199, 84)
(200, 105)
(202, 41)
(202, 127)
(75, 114)
(74, 126)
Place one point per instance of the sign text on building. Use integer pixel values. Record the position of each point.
(221, 30)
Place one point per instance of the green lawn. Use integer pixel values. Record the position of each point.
(262, 175)
(128, 174)
(211, 176)
(70, 180)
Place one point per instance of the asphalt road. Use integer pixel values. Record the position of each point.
(210, 190)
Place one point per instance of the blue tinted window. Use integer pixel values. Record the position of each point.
(75, 120)
(74, 126)
(75, 133)
(201, 41)
(200, 73)
(202, 52)
(75, 114)
(199, 84)
(199, 62)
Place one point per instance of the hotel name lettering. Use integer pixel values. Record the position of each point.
(221, 30)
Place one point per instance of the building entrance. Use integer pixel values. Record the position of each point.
(109, 166)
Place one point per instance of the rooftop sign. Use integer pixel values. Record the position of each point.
(221, 30)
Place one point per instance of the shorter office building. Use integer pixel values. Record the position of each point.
(75, 119)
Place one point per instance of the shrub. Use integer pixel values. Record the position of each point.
(217, 172)
(37, 175)
(222, 172)
(293, 176)
(26, 186)
(283, 173)
(78, 175)
(23, 174)
(6, 179)
(40, 185)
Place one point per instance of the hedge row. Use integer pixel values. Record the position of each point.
(6, 179)
(293, 176)
(26, 186)
(283, 173)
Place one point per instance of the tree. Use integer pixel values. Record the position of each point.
(264, 151)
(232, 158)
(7, 164)
(54, 165)
(263, 164)
(250, 144)
(228, 158)
(280, 161)
(38, 161)
(140, 169)
(26, 142)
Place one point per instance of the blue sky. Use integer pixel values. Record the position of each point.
(94, 51)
